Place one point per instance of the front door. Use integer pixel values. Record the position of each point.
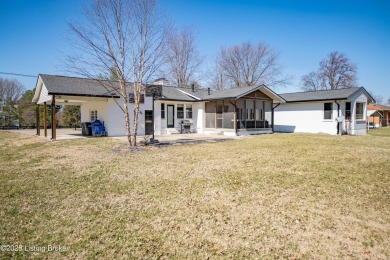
(170, 116)
(148, 122)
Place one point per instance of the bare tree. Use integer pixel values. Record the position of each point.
(378, 98)
(218, 77)
(251, 65)
(121, 37)
(313, 82)
(10, 90)
(182, 57)
(335, 72)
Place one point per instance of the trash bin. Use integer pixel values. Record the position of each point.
(86, 128)
(98, 128)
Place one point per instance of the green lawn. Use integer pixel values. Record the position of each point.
(268, 196)
(381, 131)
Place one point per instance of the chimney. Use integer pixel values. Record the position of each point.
(193, 87)
(208, 91)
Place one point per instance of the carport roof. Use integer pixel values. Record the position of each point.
(72, 86)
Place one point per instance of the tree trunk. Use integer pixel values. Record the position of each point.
(136, 113)
(126, 111)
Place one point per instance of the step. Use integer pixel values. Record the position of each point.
(171, 131)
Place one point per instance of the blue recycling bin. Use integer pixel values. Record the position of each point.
(98, 128)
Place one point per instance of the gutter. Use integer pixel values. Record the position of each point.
(314, 100)
(273, 113)
(82, 95)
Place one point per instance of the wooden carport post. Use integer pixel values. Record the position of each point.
(38, 120)
(53, 118)
(45, 119)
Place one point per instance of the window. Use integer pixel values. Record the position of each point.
(328, 110)
(359, 110)
(162, 110)
(188, 111)
(348, 110)
(180, 111)
(141, 98)
(93, 115)
(250, 114)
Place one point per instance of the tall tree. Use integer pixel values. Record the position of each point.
(26, 109)
(378, 98)
(126, 35)
(334, 72)
(217, 76)
(10, 90)
(250, 65)
(71, 116)
(182, 57)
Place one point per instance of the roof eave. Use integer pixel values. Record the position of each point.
(315, 100)
(81, 95)
(38, 89)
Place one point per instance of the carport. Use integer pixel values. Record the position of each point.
(51, 91)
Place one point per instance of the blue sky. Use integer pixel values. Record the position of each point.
(33, 33)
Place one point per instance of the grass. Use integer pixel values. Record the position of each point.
(269, 196)
(381, 131)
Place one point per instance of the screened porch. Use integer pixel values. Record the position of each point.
(250, 114)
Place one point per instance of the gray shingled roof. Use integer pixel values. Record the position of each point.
(65, 85)
(173, 93)
(90, 87)
(221, 94)
(78, 86)
(319, 95)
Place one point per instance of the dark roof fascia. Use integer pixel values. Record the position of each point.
(180, 100)
(224, 98)
(315, 100)
(81, 95)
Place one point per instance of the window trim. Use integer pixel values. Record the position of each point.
(355, 114)
(188, 113)
(327, 110)
(347, 112)
(181, 112)
(162, 110)
(90, 115)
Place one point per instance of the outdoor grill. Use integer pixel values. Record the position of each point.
(185, 126)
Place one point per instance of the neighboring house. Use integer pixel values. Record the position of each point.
(237, 111)
(378, 115)
(341, 111)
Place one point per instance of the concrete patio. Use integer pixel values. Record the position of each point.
(173, 139)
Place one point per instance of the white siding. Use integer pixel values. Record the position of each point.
(44, 96)
(359, 126)
(116, 118)
(199, 109)
(307, 117)
(99, 106)
(160, 125)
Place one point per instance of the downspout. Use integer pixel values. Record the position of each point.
(338, 115)
(153, 116)
(273, 109)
